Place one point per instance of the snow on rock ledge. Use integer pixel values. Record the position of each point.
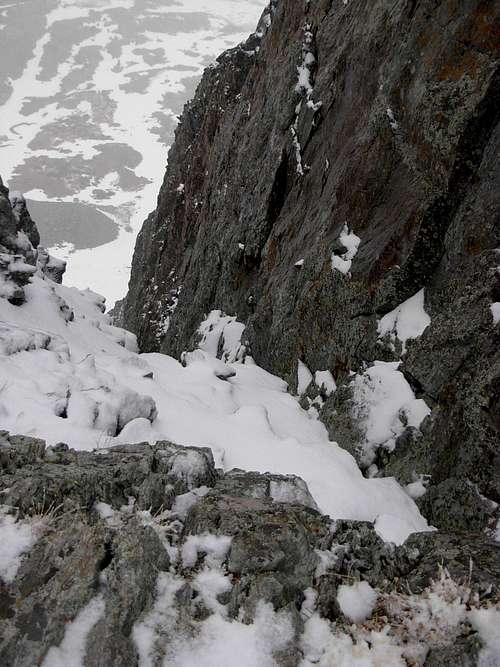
(384, 405)
(406, 322)
(220, 336)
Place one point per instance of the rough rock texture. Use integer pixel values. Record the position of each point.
(50, 266)
(23, 219)
(20, 254)
(17, 255)
(152, 475)
(112, 555)
(393, 131)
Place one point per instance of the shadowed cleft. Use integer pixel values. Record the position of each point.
(107, 558)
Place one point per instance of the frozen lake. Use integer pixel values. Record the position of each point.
(90, 92)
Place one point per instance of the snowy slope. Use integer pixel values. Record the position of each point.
(67, 375)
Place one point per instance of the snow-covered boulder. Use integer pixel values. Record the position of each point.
(50, 266)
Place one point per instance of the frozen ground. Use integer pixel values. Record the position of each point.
(90, 91)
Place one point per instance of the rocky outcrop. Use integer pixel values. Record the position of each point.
(17, 255)
(327, 170)
(111, 527)
(51, 267)
(24, 223)
(20, 254)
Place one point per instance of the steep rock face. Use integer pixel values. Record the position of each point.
(341, 120)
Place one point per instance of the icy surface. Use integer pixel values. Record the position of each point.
(384, 404)
(291, 491)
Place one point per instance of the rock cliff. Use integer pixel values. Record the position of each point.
(341, 161)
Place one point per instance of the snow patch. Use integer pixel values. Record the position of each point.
(304, 70)
(324, 380)
(221, 336)
(392, 119)
(186, 501)
(304, 378)
(406, 322)
(351, 242)
(71, 652)
(357, 601)
(487, 623)
(323, 646)
(393, 529)
(495, 312)
(210, 583)
(220, 640)
(161, 618)
(214, 547)
(82, 384)
(16, 538)
(384, 404)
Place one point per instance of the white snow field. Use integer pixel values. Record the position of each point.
(90, 93)
(67, 375)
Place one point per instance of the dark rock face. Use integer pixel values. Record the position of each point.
(392, 131)
(8, 226)
(110, 557)
(18, 232)
(20, 254)
(17, 255)
(24, 222)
